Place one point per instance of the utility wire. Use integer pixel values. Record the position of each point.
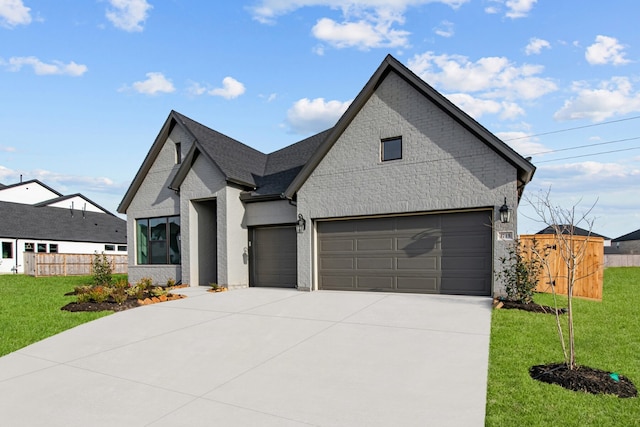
(589, 155)
(574, 128)
(583, 146)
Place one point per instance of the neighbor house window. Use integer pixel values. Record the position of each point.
(109, 247)
(28, 247)
(158, 240)
(391, 149)
(122, 248)
(53, 248)
(7, 249)
(178, 153)
(42, 247)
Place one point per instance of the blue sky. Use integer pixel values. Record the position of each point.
(87, 85)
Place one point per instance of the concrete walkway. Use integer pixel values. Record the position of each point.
(260, 357)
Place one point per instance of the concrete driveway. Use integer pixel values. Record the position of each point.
(260, 357)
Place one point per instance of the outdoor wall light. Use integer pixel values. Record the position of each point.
(301, 224)
(505, 212)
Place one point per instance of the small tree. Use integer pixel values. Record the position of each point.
(563, 222)
(520, 272)
(101, 270)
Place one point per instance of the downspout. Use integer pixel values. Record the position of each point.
(15, 254)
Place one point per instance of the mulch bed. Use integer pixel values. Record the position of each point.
(532, 307)
(101, 306)
(584, 378)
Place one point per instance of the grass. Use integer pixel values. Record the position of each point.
(30, 309)
(607, 338)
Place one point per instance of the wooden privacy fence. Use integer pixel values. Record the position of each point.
(589, 271)
(621, 260)
(43, 264)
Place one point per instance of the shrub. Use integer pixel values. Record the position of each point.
(170, 283)
(101, 269)
(158, 291)
(520, 273)
(99, 293)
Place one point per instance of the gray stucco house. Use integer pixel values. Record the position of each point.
(403, 195)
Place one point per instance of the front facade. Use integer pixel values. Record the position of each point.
(401, 195)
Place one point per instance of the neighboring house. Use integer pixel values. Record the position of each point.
(403, 194)
(577, 231)
(36, 218)
(628, 244)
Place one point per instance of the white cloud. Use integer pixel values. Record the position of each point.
(524, 144)
(314, 115)
(154, 84)
(445, 29)
(606, 50)
(7, 149)
(231, 88)
(536, 45)
(477, 107)
(14, 12)
(613, 97)
(515, 8)
(41, 68)
(362, 34)
(128, 15)
(492, 76)
(366, 24)
(519, 8)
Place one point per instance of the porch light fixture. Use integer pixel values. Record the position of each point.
(505, 212)
(301, 224)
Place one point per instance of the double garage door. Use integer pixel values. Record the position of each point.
(438, 253)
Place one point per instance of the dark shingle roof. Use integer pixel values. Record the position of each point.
(2, 186)
(20, 221)
(634, 235)
(237, 161)
(566, 229)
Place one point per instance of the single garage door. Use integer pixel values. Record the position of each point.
(273, 257)
(434, 253)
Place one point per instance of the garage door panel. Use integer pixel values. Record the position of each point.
(375, 282)
(431, 253)
(337, 263)
(379, 263)
(418, 263)
(385, 244)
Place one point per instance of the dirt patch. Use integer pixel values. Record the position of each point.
(584, 378)
(532, 307)
(111, 305)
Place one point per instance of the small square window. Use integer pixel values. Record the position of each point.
(42, 247)
(109, 247)
(28, 247)
(122, 248)
(53, 248)
(391, 149)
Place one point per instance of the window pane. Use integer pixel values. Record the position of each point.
(53, 248)
(174, 240)
(28, 247)
(122, 248)
(158, 252)
(392, 149)
(42, 247)
(109, 247)
(142, 238)
(158, 227)
(7, 250)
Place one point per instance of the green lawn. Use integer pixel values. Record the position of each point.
(607, 338)
(30, 309)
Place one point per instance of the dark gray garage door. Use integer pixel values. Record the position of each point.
(438, 253)
(273, 257)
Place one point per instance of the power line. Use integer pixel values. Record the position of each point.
(589, 155)
(573, 128)
(584, 146)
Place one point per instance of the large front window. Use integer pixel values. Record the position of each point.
(158, 240)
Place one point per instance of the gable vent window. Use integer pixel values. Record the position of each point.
(391, 149)
(178, 153)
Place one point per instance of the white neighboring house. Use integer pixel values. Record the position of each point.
(37, 218)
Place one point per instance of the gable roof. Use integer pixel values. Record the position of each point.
(634, 235)
(389, 65)
(71, 196)
(31, 181)
(566, 229)
(20, 221)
